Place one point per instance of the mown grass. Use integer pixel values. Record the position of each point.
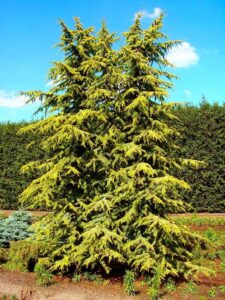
(198, 220)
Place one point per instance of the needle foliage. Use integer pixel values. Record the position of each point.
(107, 180)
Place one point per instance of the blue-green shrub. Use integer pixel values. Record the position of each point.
(15, 228)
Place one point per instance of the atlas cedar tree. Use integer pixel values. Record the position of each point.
(108, 177)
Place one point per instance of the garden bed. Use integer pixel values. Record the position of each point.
(23, 285)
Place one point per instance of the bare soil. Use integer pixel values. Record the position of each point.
(34, 213)
(201, 228)
(24, 287)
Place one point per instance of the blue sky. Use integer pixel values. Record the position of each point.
(29, 29)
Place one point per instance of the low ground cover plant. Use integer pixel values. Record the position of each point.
(23, 255)
(128, 282)
(76, 277)
(44, 276)
(170, 286)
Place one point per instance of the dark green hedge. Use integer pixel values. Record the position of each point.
(203, 138)
(13, 154)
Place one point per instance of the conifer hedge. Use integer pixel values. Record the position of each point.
(13, 155)
(202, 130)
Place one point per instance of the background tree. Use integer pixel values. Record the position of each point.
(108, 177)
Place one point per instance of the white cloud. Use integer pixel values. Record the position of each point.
(145, 14)
(187, 93)
(183, 55)
(11, 99)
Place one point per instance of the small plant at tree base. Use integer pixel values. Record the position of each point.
(212, 254)
(210, 234)
(222, 266)
(197, 253)
(44, 277)
(191, 288)
(89, 276)
(170, 286)
(22, 255)
(147, 280)
(99, 280)
(153, 293)
(143, 283)
(221, 254)
(222, 288)
(76, 277)
(93, 277)
(212, 293)
(156, 282)
(128, 283)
